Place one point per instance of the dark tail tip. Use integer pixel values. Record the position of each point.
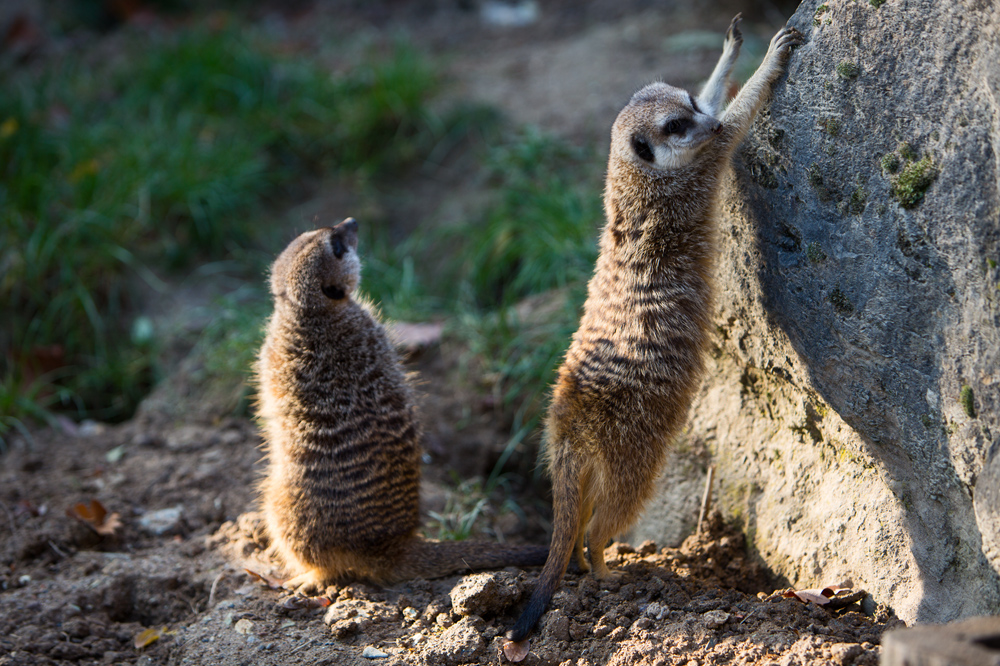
(533, 612)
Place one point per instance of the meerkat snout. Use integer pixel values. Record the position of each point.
(319, 268)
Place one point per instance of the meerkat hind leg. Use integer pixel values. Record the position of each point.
(713, 94)
(586, 511)
(603, 527)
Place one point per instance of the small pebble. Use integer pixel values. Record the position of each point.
(373, 653)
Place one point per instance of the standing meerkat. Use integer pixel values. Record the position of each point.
(626, 384)
(341, 492)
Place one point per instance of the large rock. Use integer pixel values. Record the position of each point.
(852, 400)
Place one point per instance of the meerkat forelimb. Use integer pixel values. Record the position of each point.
(341, 492)
(629, 375)
(713, 94)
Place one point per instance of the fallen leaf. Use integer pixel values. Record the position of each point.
(816, 596)
(270, 581)
(147, 637)
(516, 651)
(96, 517)
(829, 597)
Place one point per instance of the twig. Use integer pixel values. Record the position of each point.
(215, 585)
(750, 615)
(58, 552)
(305, 644)
(706, 499)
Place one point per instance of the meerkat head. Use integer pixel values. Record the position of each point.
(319, 268)
(662, 128)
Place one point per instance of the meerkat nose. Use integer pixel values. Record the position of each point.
(350, 224)
(717, 129)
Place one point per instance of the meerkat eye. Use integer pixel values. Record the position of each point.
(333, 292)
(642, 149)
(675, 126)
(338, 247)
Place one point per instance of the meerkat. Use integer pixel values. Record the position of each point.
(340, 495)
(627, 381)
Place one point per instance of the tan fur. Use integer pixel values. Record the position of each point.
(624, 390)
(341, 493)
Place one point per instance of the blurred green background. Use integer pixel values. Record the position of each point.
(156, 155)
(135, 160)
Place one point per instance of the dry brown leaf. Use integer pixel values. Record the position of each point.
(829, 597)
(147, 637)
(270, 581)
(96, 517)
(816, 595)
(516, 651)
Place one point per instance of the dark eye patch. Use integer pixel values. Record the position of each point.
(338, 247)
(642, 149)
(676, 126)
(333, 292)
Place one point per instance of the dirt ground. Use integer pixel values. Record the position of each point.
(162, 580)
(176, 565)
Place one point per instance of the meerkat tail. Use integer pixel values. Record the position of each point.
(566, 502)
(424, 558)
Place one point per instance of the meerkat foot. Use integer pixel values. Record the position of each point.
(309, 584)
(581, 559)
(602, 572)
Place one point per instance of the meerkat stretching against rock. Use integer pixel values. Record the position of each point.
(626, 384)
(341, 493)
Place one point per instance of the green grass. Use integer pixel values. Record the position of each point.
(113, 171)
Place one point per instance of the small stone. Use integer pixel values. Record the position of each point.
(715, 619)
(845, 653)
(486, 594)
(373, 653)
(163, 521)
(602, 629)
(244, 627)
(461, 643)
(655, 610)
(578, 631)
(646, 548)
(555, 626)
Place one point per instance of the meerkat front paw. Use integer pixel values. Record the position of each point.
(782, 43)
(734, 38)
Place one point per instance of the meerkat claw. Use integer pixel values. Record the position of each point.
(734, 34)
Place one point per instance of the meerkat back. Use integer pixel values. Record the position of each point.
(626, 384)
(341, 493)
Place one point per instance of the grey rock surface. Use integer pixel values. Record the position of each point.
(853, 394)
